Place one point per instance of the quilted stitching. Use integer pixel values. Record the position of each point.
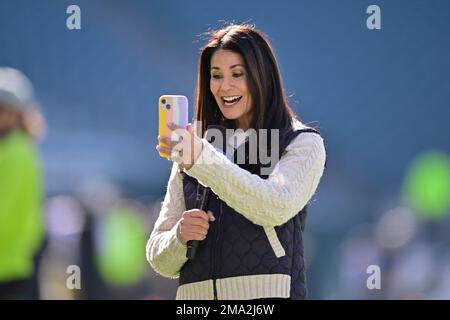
(243, 248)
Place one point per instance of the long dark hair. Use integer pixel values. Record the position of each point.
(270, 109)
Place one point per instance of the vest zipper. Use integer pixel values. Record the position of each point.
(214, 256)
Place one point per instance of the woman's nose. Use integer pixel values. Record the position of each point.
(226, 84)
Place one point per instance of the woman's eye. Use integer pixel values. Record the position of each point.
(216, 76)
(237, 75)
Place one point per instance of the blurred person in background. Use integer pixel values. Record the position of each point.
(21, 189)
(251, 240)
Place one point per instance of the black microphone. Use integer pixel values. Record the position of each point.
(201, 202)
(217, 137)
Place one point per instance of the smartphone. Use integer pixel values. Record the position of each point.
(171, 108)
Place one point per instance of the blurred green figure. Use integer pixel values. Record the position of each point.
(427, 185)
(21, 221)
(120, 258)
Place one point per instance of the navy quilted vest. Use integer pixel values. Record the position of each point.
(235, 246)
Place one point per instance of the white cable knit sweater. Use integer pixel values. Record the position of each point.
(266, 202)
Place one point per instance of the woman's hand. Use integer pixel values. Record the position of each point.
(185, 151)
(194, 225)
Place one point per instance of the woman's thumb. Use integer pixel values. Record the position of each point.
(211, 216)
(190, 128)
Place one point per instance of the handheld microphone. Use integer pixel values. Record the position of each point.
(201, 202)
(217, 138)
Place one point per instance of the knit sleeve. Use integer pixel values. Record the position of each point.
(266, 202)
(165, 253)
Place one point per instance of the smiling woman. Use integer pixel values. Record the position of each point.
(239, 62)
(251, 234)
(229, 87)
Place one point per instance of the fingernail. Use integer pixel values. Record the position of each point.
(211, 216)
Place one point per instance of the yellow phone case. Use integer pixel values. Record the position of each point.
(171, 108)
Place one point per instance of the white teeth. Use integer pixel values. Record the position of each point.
(230, 98)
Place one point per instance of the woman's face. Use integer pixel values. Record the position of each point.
(229, 86)
(8, 119)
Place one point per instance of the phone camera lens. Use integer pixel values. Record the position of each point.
(163, 101)
(168, 106)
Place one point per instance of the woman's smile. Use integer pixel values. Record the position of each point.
(230, 101)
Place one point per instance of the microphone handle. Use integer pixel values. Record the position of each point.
(201, 203)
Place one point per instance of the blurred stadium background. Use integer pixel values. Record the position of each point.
(380, 99)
